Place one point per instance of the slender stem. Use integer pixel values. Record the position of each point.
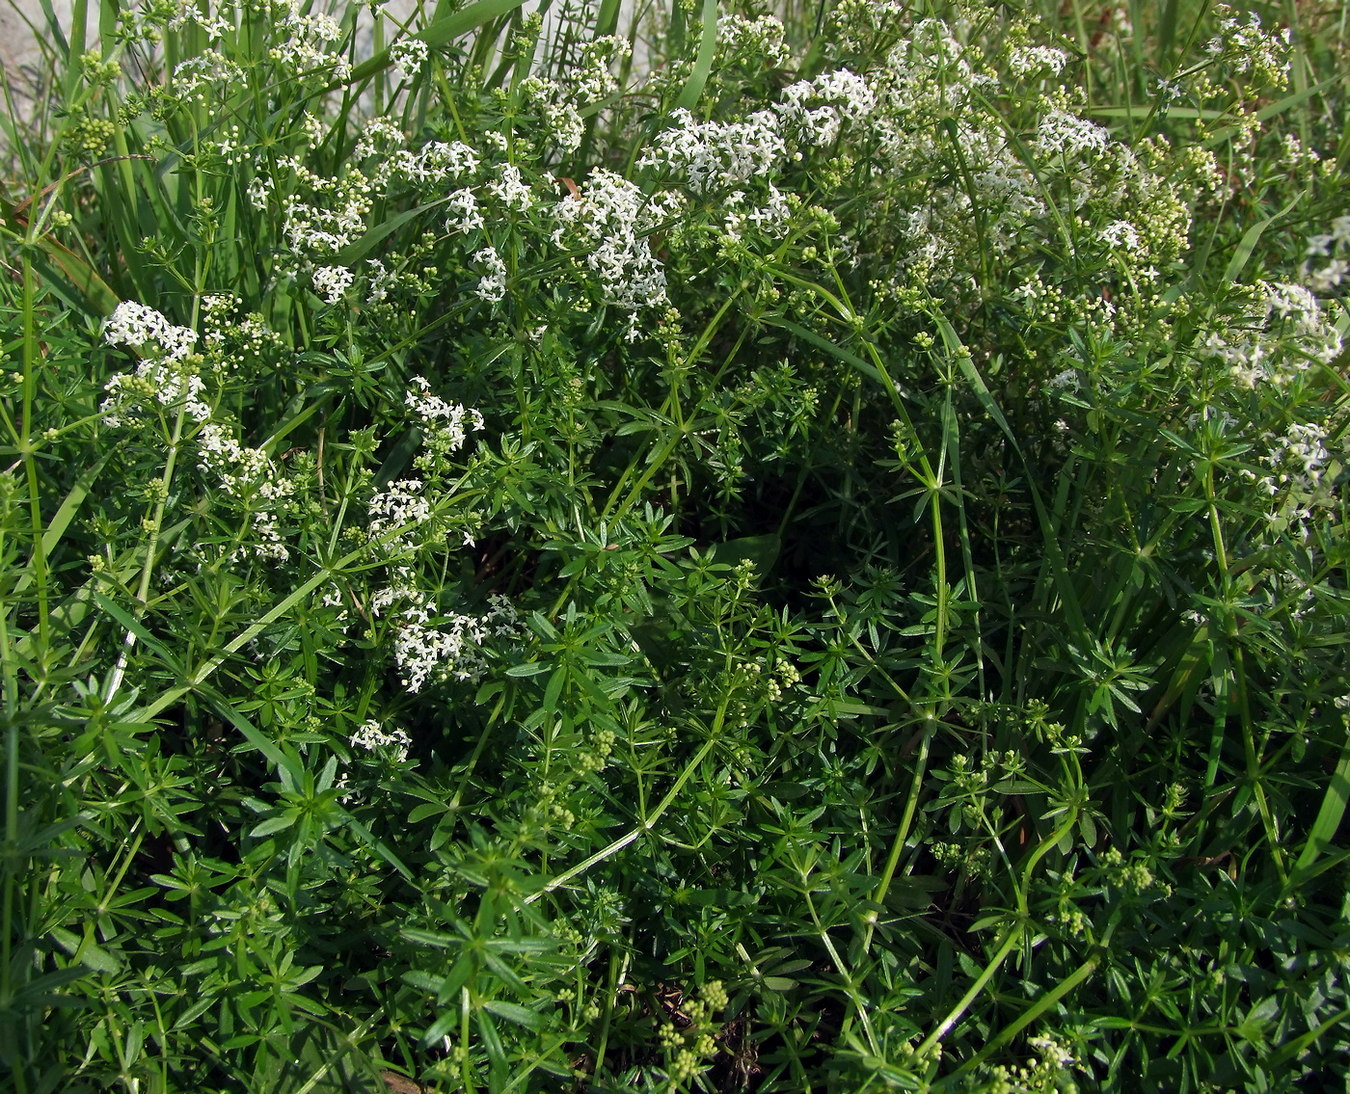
(655, 815)
(901, 836)
(151, 546)
(465, 1064)
(1011, 937)
(1039, 1007)
(28, 449)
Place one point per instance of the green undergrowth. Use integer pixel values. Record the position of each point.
(692, 548)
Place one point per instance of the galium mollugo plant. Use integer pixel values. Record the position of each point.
(811, 561)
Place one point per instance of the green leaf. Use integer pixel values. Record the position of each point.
(273, 825)
(529, 668)
(425, 810)
(707, 51)
(70, 505)
(1250, 238)
(255, 737)
(1018, 786)
(85, 951)
(442, 31)
(1329, 816)
(513, 1012)
(826, 346)
(355, 252)
(761, 550)
(437, 939)
(134, 626)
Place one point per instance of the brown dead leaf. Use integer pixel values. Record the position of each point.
(401, 1084)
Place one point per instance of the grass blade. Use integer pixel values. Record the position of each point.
(707, 50)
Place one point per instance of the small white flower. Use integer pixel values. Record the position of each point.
(146, 330)
(1063, 134)
(492, 285)
(163, 375)
(511, 189)
(401, 505)
(719, 155)
(371, 736)
(331, 282)
(1023, 60)
(1122, 235)
(449, 422)
(463, 216)
(612, 220)
(410, 54)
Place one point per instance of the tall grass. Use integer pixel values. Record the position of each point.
(676, 548)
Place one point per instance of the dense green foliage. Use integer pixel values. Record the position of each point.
(741, 551)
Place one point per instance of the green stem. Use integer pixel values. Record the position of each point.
(465, 1064)
(1010, 940)
(208, 667)
(151, 546)
(28, 450)
(1044, 1003)
(646, 826)
(901, 835)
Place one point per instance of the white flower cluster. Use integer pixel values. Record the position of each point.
(1297, 482)
(857, 21)
(816, 110)
(321, 214)
(319, 230)
(492, 285)
(205, 77)
(249, 475)
(380, 281)
(243, 472)
(727, 156)
(1063, 134)
(439, 161)
(259, 192)
(718, 155)
(927, 74)
(771, 218)
(433, 647)
(511, 189)
(1283, 333)
(230, 336)
(763, 39)
(463, 216)
(612, 220)
(444, 424)
(436, 163)
(214, 25)
(593, 80)
(332, 282)
(410, 54)
(1040, 60)
(1249, 49)
(559, 105)
(1121, 235)
(1333, 246)
(371, 736)
(401, 506)
(305, 48)
(556, 105)
(148, 332)
(1003, 183)
(162, 376)
(379, 137)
